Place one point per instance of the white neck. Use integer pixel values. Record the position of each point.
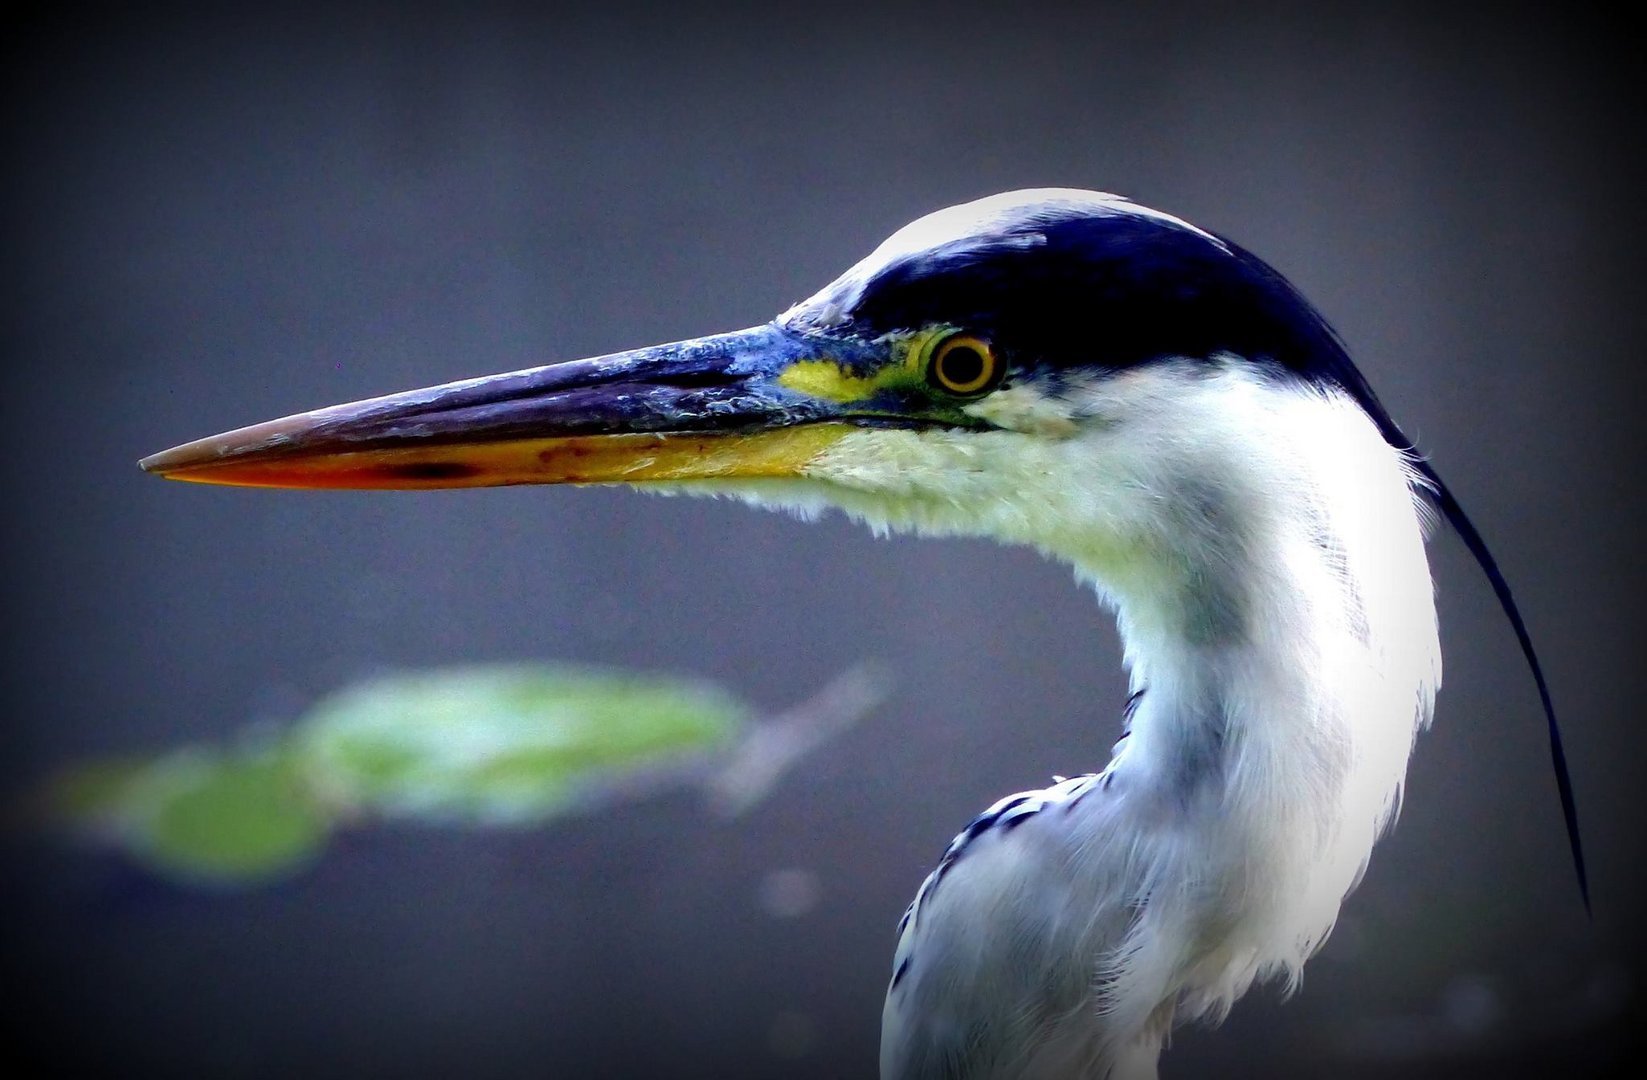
(1261, 547)
(1287, 642)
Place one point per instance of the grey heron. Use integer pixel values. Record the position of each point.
(1125, 392)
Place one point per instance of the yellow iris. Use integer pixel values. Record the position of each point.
(964, 366)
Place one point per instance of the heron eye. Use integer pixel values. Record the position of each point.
(965, 366)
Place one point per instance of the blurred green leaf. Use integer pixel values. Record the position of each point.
(239, 816)
(504, 744)
(489, 745)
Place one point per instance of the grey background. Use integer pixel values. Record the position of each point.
(215, 220)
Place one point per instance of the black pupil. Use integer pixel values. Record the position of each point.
(963, 365)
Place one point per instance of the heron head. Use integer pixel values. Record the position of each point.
(998, 368)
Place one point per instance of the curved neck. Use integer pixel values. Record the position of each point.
(1275, 603)
(1260, 544)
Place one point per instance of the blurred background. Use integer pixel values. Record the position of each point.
(212, 220)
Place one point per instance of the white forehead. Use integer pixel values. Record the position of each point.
(1005, 220)
(1003, 215)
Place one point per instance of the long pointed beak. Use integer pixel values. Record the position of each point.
(706, 408)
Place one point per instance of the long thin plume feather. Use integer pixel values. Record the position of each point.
(1454, 513)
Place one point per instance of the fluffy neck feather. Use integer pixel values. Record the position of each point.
(1261, 547)
(1286, 633)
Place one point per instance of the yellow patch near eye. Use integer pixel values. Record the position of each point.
(831, 381)
(825, 379)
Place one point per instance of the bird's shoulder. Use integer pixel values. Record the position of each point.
(1005, 816)
(996, 960)
(1002, 818)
